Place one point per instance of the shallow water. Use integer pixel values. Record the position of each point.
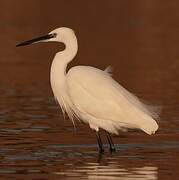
(37, 143)
(139, 38)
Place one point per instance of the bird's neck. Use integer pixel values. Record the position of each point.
(61, 60)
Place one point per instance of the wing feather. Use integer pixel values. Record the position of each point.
(94, 92)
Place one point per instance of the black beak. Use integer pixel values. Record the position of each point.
(41, 38)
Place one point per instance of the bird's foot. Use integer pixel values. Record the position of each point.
(101, 150)
(112, 149)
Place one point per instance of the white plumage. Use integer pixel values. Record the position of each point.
(91, 94)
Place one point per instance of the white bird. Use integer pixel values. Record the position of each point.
(92, 95)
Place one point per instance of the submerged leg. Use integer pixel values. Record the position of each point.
(100, 144)
(110, 141)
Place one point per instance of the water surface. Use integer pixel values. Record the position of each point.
(37, 143)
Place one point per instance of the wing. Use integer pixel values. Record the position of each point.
(94, 92)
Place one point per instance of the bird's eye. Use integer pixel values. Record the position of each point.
(54, 34)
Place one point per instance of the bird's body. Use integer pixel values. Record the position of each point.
(104, 103)
(92, 95)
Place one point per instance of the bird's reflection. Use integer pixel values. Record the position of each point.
(112, 170)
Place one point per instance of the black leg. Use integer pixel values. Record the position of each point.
(100, 157)
(101, 150)
(110, 141)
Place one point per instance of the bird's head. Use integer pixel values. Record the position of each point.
(57, 35)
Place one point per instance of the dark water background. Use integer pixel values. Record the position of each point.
(140, 39)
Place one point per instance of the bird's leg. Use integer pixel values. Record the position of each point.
(110, 141)
(100, 157)
(101, 150)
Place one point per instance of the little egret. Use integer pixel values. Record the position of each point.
(92, 95)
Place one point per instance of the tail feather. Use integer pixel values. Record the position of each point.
(150, 126)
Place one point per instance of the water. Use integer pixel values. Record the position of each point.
(139, 38)
(37, 143)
